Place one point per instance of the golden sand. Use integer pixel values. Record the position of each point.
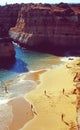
(20, 109)
(53, 101)
(50, 106)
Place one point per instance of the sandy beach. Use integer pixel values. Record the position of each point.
(39, 65)
(54, 101)
(15, 111)
(51, 105)
(21, 111)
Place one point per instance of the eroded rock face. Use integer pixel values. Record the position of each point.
(7, 51)
(34, 26)
(41, 26)
(8, 17)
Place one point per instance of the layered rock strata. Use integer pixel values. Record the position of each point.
(47, 27)
(8, 17)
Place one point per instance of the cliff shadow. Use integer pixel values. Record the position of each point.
(75, 52)
(16, 65)
(6, 63)
(57, 50)
(19, 66)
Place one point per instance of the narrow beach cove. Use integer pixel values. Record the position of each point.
(53, 102)
(40, 65)
(44, 97)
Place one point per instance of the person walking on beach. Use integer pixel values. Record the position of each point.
(32, 108)
(4, 86)
(76, 77)
(45, 93)
(62, 118)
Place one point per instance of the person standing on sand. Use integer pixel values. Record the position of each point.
(32, 108)
(6, 90)
(63, 91)
(45, 93)
(62, 118)
(76, 77)
(4, 86)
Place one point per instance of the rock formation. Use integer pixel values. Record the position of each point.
(47, 27)
(8, 17)
(7, 52)
(41, 26)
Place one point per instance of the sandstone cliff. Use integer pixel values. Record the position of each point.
(8, 17)
(7, 52)
(47, 26)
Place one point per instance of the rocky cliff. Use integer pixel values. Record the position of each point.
(8, 17)
(7, 52)
(6, 43)
(47, 26)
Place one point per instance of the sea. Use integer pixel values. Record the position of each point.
(26, 61)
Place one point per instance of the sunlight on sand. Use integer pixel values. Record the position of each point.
(49, 106)
(54, 101)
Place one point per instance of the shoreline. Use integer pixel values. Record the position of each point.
(20, 110)
(71, 123)
(51, 62)
(50, 103)
(64, 60)
(47, 101)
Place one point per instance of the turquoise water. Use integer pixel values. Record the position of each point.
(26, 61)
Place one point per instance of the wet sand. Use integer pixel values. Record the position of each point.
(21, 111)
(15, 111)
